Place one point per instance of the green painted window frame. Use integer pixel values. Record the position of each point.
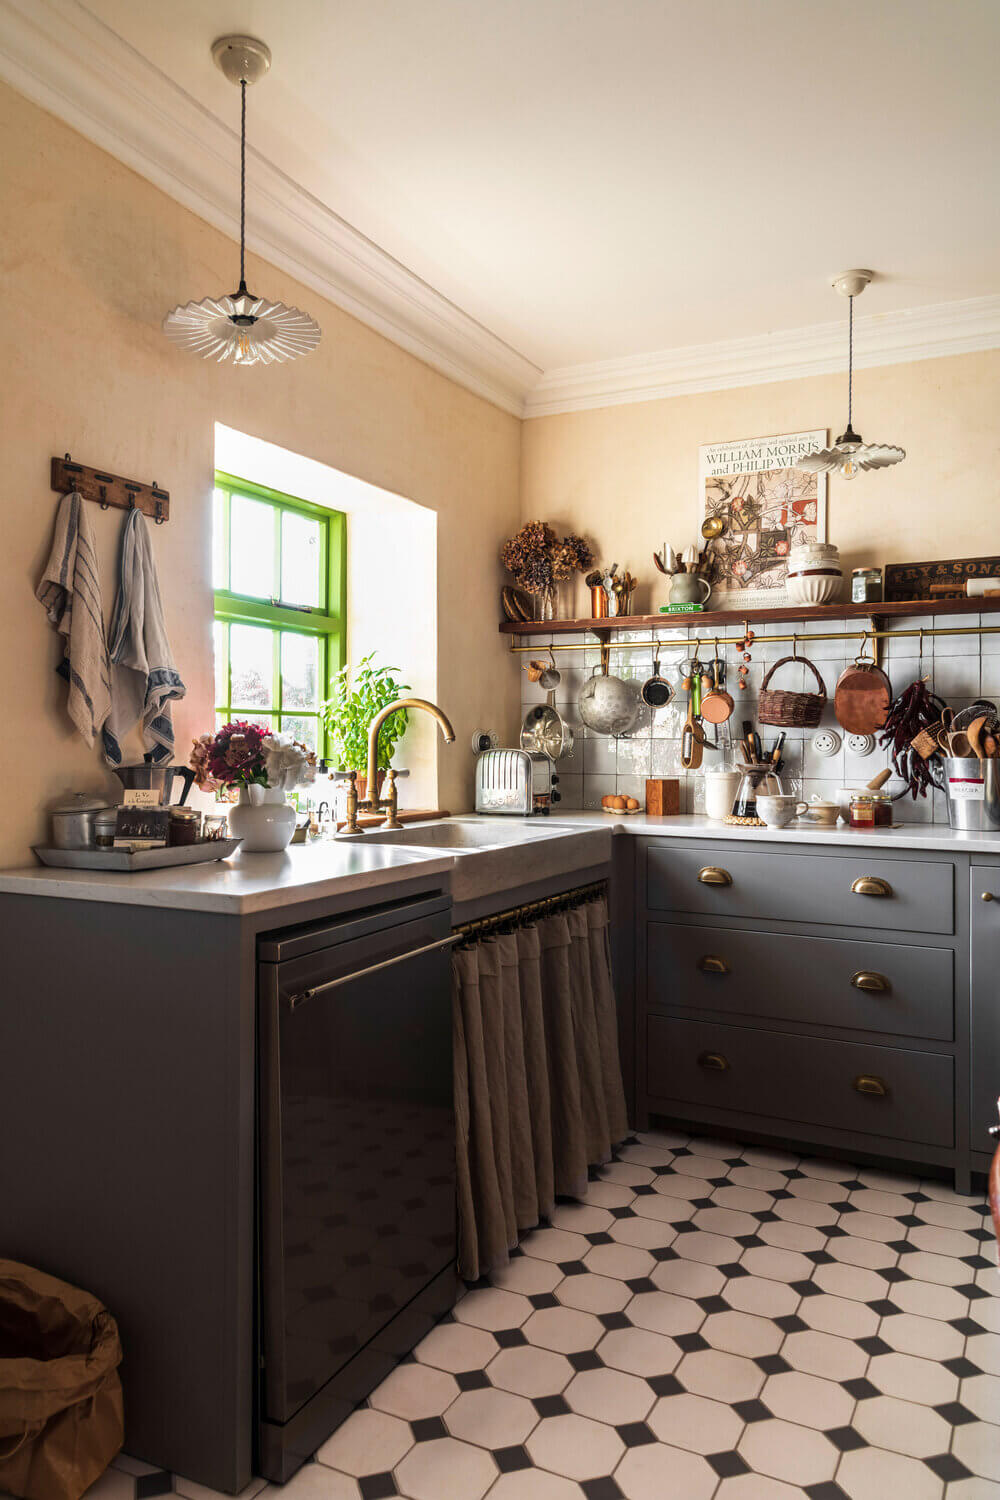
(327, 621)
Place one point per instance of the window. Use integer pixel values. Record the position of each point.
(280, 617)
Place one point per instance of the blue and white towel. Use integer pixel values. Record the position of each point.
(70, 590)
(144, 679)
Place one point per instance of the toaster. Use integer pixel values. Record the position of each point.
(515, 781)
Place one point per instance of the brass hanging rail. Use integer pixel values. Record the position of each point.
(709, 637)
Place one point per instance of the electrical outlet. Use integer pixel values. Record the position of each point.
(826, 742)
(484, 739)
(861, 744)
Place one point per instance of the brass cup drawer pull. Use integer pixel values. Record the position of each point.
(711, 963)
(871, 885)
(868, 1083)
(871, 983)
(713, 875)
(714, 1062)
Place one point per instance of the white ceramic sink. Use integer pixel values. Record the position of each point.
(499, 855)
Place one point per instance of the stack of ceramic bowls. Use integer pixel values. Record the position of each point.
(814, 573)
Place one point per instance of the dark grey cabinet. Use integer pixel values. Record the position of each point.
(134, 1161)
(813, 996)
(984, 921)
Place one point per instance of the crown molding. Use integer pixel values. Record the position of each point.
(61, 56)
(881, 339)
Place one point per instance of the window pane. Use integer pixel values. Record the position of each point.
(221, 674)
(300, 551)
(220, 561)
(303, 729)
(251, 547)
(251, 654)
(299, 670)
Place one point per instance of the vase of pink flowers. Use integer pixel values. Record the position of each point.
(263, 768)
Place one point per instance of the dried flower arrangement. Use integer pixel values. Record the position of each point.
(539, 559)
(244, 755)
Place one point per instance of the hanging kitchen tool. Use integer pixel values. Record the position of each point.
(550, 677)
(717, 705)
(863, 696)
(692, 738)
(656, 691)
(545, 730)
(607, 704)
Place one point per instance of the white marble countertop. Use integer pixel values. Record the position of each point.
(244, 883)
(260, 882)
(904, 836)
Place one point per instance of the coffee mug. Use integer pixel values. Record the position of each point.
(777, 811)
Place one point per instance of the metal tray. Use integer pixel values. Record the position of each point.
(139, 859)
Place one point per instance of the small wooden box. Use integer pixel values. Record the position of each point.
(663, 797)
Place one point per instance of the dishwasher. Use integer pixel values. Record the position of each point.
(356, 1163)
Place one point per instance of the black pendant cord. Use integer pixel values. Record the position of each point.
(243, 183)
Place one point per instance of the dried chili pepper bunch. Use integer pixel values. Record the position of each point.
(912, 711)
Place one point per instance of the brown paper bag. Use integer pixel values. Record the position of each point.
(61, 1418)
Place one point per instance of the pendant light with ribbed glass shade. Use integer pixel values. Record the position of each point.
(239, 327)
(849, 453)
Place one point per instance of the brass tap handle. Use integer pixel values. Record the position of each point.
(714, 1062)
(871, 885)
(868, 1083)
(868, 980)
(713, 875)
(390, 800)
(351, 825)
(710, 963)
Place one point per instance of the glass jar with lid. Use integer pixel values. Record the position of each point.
(866, 586)
(184, 826)
(870, 810)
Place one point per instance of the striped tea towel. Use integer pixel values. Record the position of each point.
(70, 590)
(143, 676)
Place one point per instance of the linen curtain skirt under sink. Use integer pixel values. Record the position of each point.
(538, 1086)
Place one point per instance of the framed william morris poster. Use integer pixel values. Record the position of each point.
(767, 506)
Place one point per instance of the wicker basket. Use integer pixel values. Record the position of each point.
(785, 710)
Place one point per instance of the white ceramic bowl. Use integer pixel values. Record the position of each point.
(814, 587)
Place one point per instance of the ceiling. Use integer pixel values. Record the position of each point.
(591, 181)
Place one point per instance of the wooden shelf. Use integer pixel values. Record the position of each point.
(605, 629)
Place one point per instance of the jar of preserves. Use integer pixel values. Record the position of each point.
(870, 810)
(184, 827)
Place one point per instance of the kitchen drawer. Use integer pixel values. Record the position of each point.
(897, 895)
(825, 981)
(803, 1080)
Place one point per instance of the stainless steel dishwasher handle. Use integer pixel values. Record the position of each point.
(293, 1001)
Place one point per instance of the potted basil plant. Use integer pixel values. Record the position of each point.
(357, 695)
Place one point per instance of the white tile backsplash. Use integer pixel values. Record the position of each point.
(959, 668)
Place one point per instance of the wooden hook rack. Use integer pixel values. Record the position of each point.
(110, 489)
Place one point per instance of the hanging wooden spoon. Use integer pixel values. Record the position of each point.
(973, 732)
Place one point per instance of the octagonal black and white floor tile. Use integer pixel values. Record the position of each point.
(708, 1322)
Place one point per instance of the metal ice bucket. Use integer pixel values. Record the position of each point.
(973, 790)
